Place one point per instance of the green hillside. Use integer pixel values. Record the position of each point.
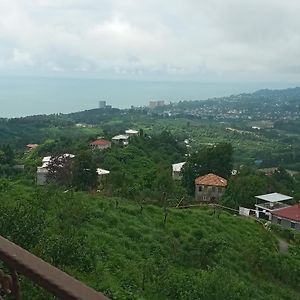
(129, 253)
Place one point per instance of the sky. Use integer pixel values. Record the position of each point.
(169, 39)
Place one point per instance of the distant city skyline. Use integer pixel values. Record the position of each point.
(22, 96)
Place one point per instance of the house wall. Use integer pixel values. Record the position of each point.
(41, 178)
(285, 222)
(101, 147)
(208, 193)
(176, 175)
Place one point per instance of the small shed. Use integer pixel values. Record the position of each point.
(267, 203)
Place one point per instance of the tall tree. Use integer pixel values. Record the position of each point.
(217, 159)
(84, 171)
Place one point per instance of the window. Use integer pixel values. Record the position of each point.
(220, 190)
(214, 189)
(278, 221)
(200, 188)
(293, 225)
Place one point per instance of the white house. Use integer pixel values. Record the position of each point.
(176, 170)
(270, 203)
(131, 132)
(102, 172)
(121, 140)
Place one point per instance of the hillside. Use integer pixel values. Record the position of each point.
(131, 254)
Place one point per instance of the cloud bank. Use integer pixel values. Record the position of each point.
(256, 38)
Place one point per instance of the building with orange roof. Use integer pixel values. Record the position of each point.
(209, 188)
(100, 144)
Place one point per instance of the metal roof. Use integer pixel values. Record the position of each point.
(274, 197)
(102, 171)
(120, 137)
(131, 131)
(291, 213)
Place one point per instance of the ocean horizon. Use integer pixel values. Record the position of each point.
(24, 96)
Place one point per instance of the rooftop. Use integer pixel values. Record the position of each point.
(32, 146)
(177, 167)
(212, 180)
(121, 137)
(100, 142)
(102, 172)
(291, 213)
(273, 197)
(131, 131)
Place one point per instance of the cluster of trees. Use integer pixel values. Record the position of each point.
(142, 170)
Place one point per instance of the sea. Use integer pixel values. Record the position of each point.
(23, 96)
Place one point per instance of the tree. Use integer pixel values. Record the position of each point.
(60, 170)
(217, 159)
(85, 171)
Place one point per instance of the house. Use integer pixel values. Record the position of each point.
(131, 132)
(176, 170)
(100, 144)
(209, 188)
(31, 147)
(269, 203)
(42, 171)
(121, 140)
(102, 174)
(41, 175)
(287, 217)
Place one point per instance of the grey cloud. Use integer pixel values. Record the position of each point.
(198, 37)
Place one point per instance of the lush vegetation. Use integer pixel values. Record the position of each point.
(132, 254)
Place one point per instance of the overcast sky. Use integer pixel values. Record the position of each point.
(255, 39)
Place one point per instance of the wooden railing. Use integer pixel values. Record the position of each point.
(58, 283)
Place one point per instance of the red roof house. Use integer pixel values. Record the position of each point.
(287, 217)
(209, 187)
(101, 144)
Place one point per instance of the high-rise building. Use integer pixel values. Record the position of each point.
(154, 104)
(102, 104)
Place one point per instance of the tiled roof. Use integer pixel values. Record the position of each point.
(100, 142)
(291, 213)
(212, 180)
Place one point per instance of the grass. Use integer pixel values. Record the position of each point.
(127, 254)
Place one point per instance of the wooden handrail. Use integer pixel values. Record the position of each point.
(45, 275)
